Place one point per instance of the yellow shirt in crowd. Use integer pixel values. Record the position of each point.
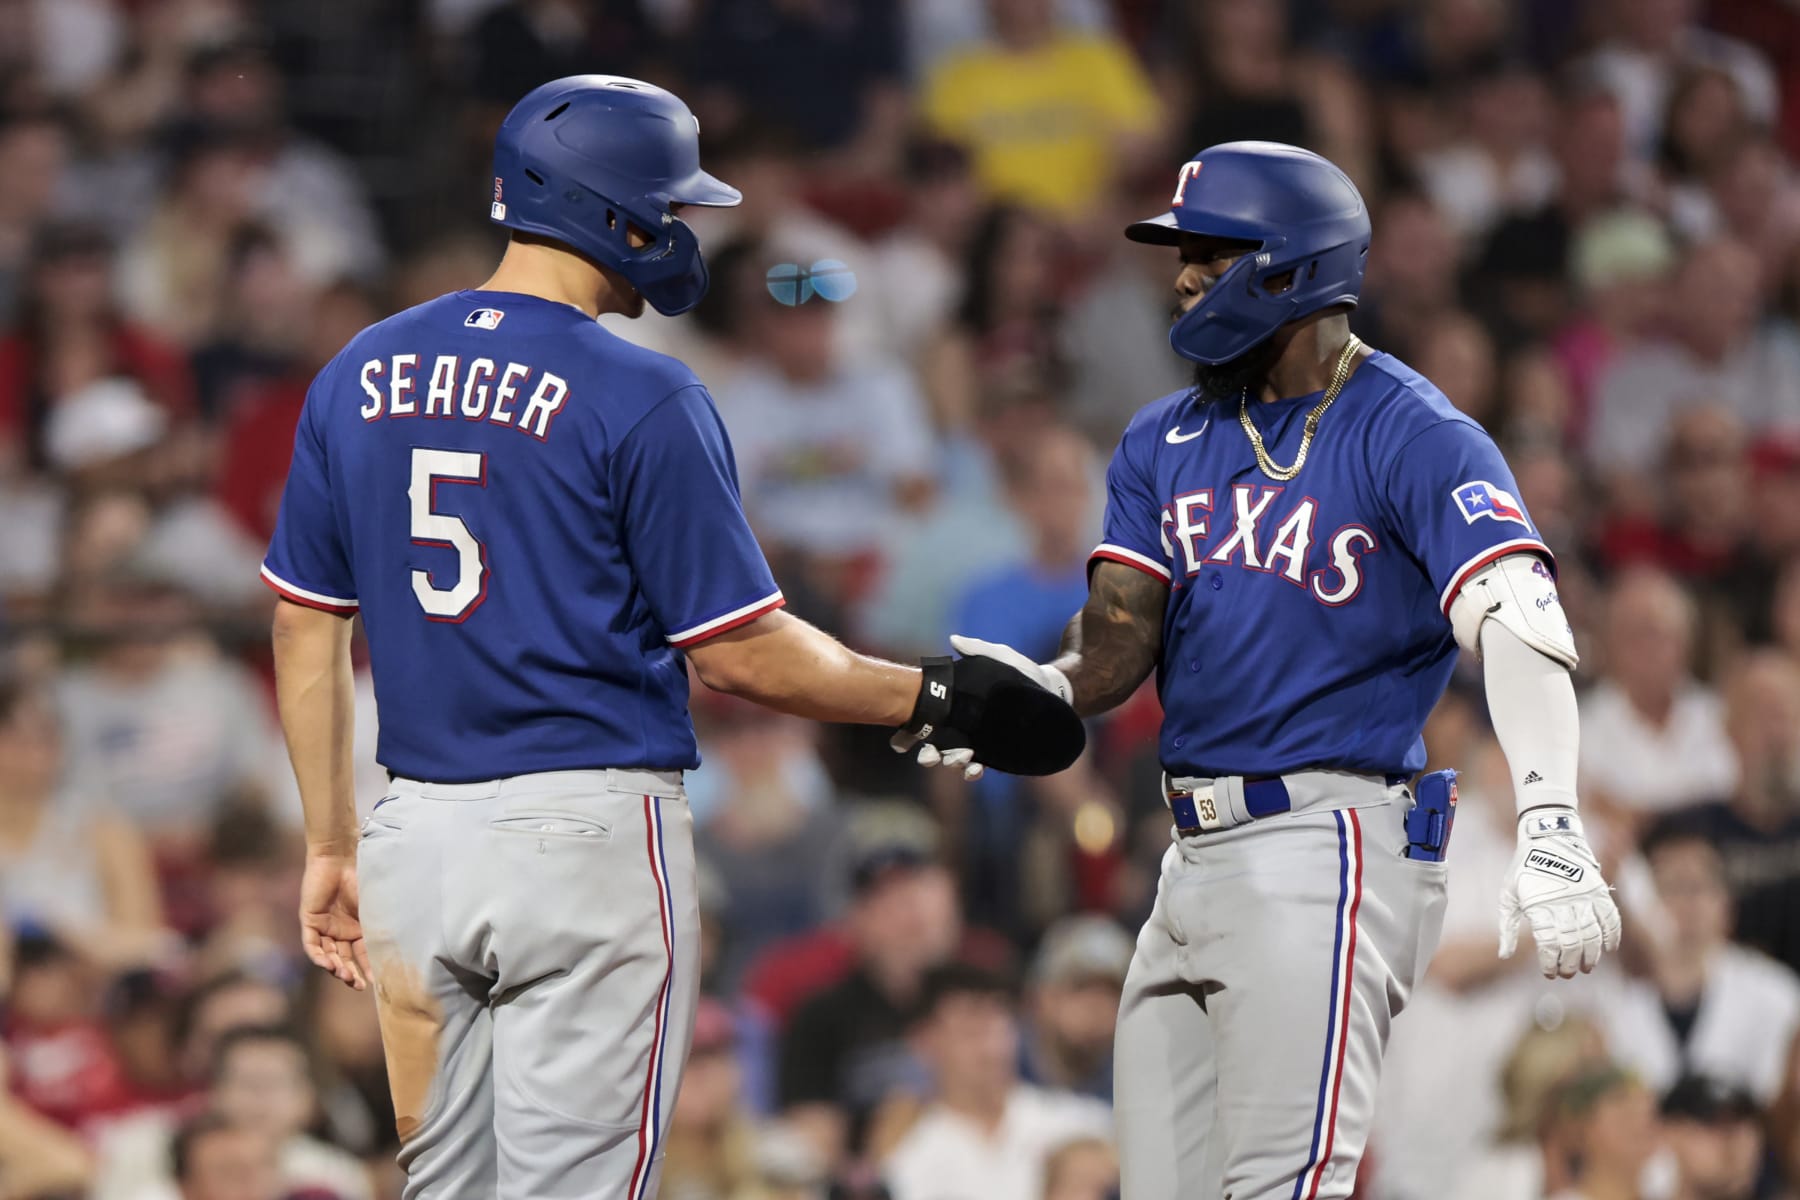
(1041, 122)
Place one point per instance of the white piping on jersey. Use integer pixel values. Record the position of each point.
(1148, 563)
(1462, 573)
(705, 627)
(301, 592)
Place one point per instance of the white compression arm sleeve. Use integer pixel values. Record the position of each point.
(1531, 702)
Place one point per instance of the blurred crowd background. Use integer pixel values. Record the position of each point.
(1587, 232)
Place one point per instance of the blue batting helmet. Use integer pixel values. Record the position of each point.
(579, 158)
(1303, 214)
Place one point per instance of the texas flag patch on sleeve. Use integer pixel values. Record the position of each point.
(1479, 498)
(484, 318)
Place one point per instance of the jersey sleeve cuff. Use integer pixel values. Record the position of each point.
(1491, 554)
(1110, 553)
(693, 635)
(342, 606)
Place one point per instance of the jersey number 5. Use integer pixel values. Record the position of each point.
(452, 604)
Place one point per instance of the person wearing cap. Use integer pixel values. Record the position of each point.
(986, 1134)
(1714, 1133)
(1073, 1004)
(1606, 1119)
(843, 1052)
(1620, 264)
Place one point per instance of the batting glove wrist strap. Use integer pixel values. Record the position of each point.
(1007, 719)
(932, 709)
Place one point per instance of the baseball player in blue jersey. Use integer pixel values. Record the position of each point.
(1298, 545)
(539, 525)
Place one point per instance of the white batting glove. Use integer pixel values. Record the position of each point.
(1046, 677)
(1555, 883)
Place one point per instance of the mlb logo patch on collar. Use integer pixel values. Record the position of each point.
(1479, 498)
(484, 318)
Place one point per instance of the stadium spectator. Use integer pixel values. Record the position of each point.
(1609, 1130)
(1647, 47)
(214, 1008)
(307, 191)
(1757, 830)
(1529, 1155)
(262, 327)
(829, 72)
(33, 149)
(1621, 263)
(1701, 530)
(843, 1051)
(985, 1135)
(1111, 334)
(63, 1063)
(1458, 356)
(1412, 273)
(1052, 115)
(1752, 829)
(716, 1150)
(67, 864)
(1084, 1168)
(828, 449)
(767, 804)
(214, 1158)
(1774, 541)
(257, 430)
(1717, 352)
(1498, 164)
(916, 276)
(1004, 342)
(1230, 65)
(351, 1075)
(1754, 199)
(37, 1156)
(173, 729)
(1705, 119)
(1715, 1135)
(1708, 1006)
(1071, 1006)
(69, 333)
(1524, 262)
(1653, 738)
(1051, 484)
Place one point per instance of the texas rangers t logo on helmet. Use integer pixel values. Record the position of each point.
(1479, 498)
(1188, 171)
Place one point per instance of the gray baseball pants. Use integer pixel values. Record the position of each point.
(535, 944)
(1260, 997)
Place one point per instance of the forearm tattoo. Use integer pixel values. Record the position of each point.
(1113, 643)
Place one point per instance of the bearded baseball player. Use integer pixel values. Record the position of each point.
(540, 527)
(1298, 545)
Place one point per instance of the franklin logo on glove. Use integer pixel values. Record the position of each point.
(1553, 865)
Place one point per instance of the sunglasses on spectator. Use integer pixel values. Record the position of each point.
(828, 279)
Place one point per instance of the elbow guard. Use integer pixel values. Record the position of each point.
(1519, 592)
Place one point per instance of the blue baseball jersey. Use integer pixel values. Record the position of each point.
(534, 517)
(1306, 623)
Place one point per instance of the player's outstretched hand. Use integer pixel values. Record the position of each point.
(1555, 884)
(993, 707)
(330, 927)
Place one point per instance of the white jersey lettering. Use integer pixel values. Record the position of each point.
(401, 401)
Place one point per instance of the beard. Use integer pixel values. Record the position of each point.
(1225, 381)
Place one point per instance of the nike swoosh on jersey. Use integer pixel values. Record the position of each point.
(1175, 437)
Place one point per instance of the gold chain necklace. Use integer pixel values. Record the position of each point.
(1339, 374)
